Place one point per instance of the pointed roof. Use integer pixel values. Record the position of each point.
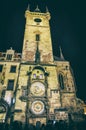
(37, 9)
(61, 54)
(47, 11)
(28, 8)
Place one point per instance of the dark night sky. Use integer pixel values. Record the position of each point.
(68, 30)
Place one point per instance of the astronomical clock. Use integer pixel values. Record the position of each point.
(37, 107)
(37, 89)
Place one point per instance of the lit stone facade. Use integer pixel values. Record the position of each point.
(37, 86)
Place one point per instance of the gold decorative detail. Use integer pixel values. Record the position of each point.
(37, 89)
(37, 107)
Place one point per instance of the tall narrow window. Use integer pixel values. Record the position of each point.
(34, 76)
(13, 69)
(10, 85)
(1, 67)
(37, 37)
(41, 76)
(61, 81)
(24, 92)
(9, 57)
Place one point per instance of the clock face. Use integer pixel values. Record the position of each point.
(37, 107)
(37, 89)
(37, 20)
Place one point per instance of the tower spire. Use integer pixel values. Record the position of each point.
(28, 8)
(47, 11)
(37, 9)
(61, 54)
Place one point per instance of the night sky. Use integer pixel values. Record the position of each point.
(68, 30)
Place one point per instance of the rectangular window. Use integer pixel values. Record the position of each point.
(34, 76)
(37, 37)
(13, 69)
(24, 92)
(9, 57)
(41, 76)
(10, 84)
(1, 67)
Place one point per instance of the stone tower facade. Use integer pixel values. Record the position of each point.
(37, 34)
(35, 85)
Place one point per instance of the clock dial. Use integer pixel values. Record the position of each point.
(37, 89)
(37, 20)
(37, 107)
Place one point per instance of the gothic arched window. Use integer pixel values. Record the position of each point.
(61, 81)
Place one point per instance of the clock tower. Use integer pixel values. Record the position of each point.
(45, 89)
(37, 34)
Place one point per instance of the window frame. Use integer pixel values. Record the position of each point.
(13, 70)
(1, 67)
(37, 37)
(10, 85)
(9, 57)
(61, 81)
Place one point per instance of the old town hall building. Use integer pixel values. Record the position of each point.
(35, 85)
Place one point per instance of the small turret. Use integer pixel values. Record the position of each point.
(61, 54)
(28, 8)
(47, 11)
(37, 9)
